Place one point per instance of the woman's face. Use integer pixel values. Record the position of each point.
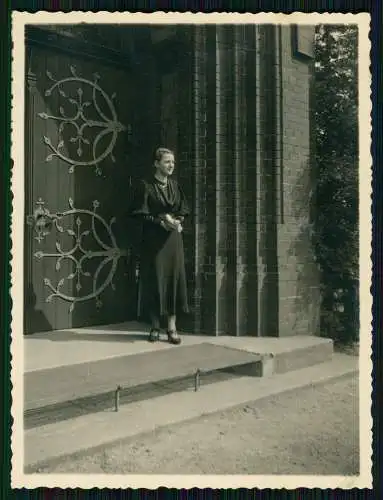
(166, 164)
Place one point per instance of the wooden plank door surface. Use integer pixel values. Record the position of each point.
(78, 172)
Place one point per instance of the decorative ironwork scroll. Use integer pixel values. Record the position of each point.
(109, 252)
(79, 122)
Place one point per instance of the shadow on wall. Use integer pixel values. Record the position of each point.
(214, 315)
(35, 318)
(226, 308)
(307, 302)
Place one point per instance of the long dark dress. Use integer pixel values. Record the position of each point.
(163, 288)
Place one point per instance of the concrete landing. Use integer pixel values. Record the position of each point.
(281, 355)
(49, 444)
(81, 345)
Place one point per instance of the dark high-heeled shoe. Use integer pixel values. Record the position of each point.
(173, 337)
(154, 335)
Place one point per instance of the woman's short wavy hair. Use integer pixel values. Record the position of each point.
(160, 152)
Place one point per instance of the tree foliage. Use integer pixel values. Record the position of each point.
(336, 241)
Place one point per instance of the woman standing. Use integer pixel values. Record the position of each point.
(160, 202)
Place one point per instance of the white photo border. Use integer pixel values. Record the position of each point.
(21, 480)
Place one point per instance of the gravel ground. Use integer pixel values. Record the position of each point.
(313, 431)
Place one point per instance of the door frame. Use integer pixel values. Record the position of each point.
(37, 36)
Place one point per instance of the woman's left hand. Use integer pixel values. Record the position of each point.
(171, 222)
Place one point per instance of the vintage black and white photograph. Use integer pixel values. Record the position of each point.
(191, 239)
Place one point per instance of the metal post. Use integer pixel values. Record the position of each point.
(197, 380)
(117, 398)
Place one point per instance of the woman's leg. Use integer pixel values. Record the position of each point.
(155, 329)
(172, 330)
(172, 323)
(155, 321)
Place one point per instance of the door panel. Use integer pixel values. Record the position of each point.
(78, 264)
(169, 110)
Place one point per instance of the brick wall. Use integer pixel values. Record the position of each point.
(298, 275)
(243, 156)
(192, 167)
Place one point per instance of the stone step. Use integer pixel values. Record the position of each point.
(281, 355)
(51, 443)
(71, 391)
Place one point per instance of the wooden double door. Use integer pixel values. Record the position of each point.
(80, 163)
